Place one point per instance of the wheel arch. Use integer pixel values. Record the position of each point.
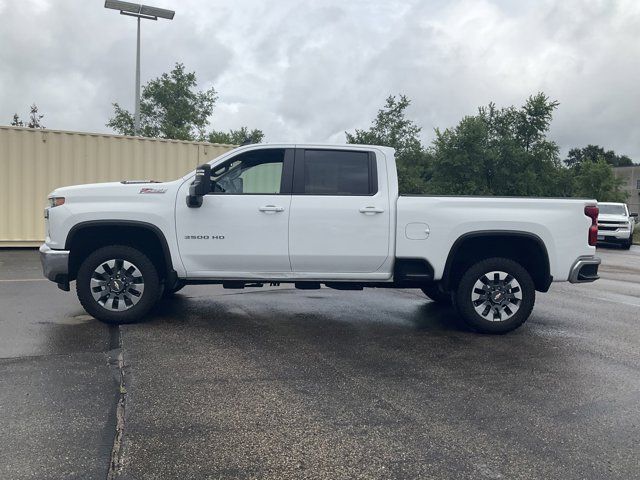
(474, 246)
(92, 234)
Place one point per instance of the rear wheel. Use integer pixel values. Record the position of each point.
(433, 292)
(495, 295)
(118, 284)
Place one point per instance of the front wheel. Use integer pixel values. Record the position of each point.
(118, 284)
(627, 245)
(495, 295)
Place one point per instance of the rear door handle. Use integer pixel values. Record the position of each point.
(271, 208)
(371, 210)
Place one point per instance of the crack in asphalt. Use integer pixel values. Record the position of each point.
(116, 360)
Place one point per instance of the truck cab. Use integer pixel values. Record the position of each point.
(279, 213)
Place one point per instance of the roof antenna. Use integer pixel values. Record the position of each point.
(247, 141)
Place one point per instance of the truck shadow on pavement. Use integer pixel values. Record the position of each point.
(419, 316)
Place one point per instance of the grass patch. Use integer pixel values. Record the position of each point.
(636, 234)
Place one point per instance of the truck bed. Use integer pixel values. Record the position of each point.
(428, 226)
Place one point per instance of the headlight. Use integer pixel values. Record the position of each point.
(56, 201)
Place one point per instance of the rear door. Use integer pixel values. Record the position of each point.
(340, 218)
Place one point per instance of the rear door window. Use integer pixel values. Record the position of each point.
(335, 172)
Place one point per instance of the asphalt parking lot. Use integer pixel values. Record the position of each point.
(283, 383)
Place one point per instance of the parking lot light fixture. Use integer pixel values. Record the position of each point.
(140, 12)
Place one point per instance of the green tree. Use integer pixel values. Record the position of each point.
(592, 153)
(596, 179)
(170, 107)
(16, 122)
(461, 164)
(500, 152)
(391, 128)
(236, 137)
(34, 119)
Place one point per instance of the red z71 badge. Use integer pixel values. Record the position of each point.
(152, 190)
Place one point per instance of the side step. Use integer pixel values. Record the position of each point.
(308, 285)
(344, 286)
(240, 285)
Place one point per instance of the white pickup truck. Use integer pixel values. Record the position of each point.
(312, 215)
(616, 224)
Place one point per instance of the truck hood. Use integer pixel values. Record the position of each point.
(124, 188)
(607, 217)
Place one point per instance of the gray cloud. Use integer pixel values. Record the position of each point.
(308, 71)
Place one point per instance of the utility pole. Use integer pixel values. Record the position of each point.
(136, 121)
(140, 12)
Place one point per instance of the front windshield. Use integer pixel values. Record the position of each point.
(612, 209)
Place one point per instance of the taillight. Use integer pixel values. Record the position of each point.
(592, 211)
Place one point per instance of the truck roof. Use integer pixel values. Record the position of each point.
(349, 146)
(388, 151)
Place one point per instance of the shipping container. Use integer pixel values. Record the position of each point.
(33, 162)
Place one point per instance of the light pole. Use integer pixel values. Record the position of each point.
(138, 11)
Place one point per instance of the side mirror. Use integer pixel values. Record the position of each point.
(634, 216)
(200, 186)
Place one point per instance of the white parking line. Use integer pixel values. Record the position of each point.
(623, 302)
(24, 280)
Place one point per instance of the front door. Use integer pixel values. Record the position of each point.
(340, 219)
(241, 229)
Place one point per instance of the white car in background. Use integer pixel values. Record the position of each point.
(616, 224)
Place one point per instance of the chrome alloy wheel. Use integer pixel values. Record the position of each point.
(117, 285)
(496, 296)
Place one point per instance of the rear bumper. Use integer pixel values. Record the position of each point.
(55, 264)
(584, 270)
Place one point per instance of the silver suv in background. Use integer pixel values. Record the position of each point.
(616, 224)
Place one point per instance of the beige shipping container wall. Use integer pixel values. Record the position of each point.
(35, 162)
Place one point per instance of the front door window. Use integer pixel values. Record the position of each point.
(258, 172)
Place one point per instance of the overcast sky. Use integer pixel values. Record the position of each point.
(308, 71)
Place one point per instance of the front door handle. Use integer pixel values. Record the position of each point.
(271, 208)
(371, 210)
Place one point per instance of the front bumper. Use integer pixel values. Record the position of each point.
(585, 269)
(55, 265)
(619, 234)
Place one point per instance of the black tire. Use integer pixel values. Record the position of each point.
(627, 245)
(145, 300)
(504, 291)
(168, 292)
(433, 292)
